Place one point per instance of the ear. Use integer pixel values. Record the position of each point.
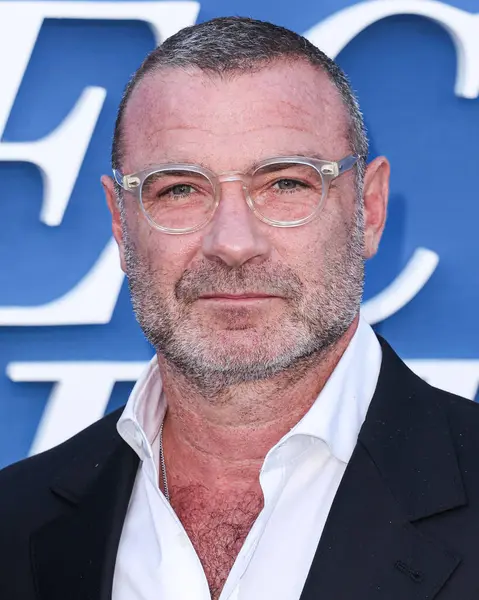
(375, 196)
(112, 202)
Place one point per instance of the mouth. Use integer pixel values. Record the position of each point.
(243, 296)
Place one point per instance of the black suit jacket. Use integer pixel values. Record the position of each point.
(404, 524)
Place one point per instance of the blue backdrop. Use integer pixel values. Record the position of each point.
(403, 68)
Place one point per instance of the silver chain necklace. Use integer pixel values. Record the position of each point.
(163, 466)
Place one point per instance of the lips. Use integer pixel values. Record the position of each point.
(242, 296)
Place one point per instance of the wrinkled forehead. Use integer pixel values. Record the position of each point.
(228, 122)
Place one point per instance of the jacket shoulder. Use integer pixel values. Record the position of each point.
(397, 375)
(35, 470)
(29, 501)
(463, 417)
(458, 408)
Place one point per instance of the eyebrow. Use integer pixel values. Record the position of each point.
(176, 161)
(183, 161)
(314, 155)
(309, 155)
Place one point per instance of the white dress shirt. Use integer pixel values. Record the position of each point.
(299, 479)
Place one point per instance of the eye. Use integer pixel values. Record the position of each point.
(288, 185)
(181, 189)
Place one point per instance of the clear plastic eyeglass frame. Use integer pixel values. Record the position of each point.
(327, 169)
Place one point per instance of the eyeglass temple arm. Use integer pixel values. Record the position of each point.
(118, 177)
(347, 163)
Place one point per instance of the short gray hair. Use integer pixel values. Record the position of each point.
(232, 45)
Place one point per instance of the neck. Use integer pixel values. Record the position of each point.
(224, 439)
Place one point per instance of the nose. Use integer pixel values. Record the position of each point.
(234, 235)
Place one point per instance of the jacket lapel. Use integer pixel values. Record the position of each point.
(74, 555)
(404, 469)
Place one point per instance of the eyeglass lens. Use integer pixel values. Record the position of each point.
(286, 193)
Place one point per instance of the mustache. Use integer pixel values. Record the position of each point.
(211, 278)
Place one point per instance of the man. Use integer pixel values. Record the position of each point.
(274, 448)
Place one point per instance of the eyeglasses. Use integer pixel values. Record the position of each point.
(285, 191)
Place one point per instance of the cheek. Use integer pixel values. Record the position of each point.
(302, 249)
(312, 249)
(336, 220)
(168, 256)
(307, 240)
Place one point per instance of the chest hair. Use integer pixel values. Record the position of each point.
(217, 527)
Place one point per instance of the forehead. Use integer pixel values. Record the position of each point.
(230, 122)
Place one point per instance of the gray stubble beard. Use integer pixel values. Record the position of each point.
(317, 320)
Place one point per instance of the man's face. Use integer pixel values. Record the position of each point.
(239, 299)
